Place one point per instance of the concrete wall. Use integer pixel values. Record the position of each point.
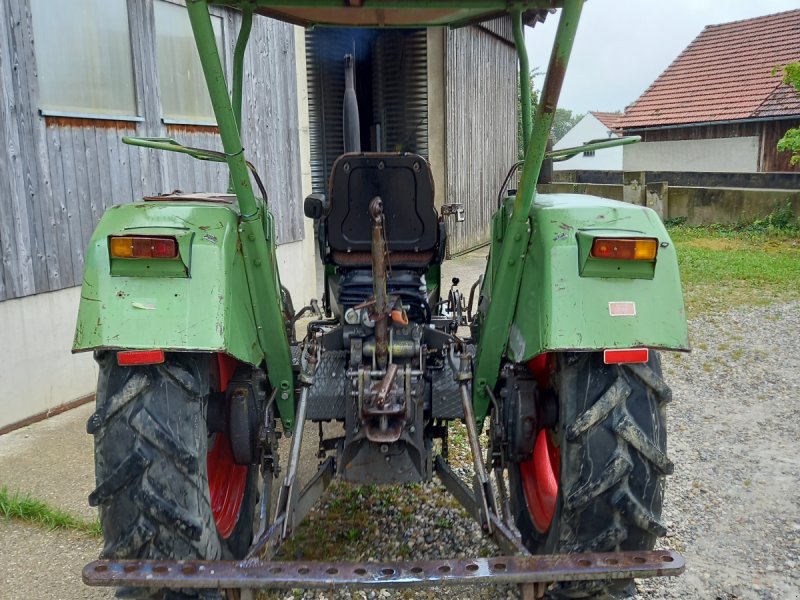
(611, 191)
(37, 370)
(704, 206)
(587, 129)
(727, 155)
(699, 205)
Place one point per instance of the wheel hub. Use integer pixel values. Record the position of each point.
(226, 480)
(540, 477)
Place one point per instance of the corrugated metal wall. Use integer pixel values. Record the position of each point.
(481, 74)
(400, 91)
(58, 175)
(391, 67)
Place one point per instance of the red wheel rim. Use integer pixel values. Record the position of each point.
(540, 480)
(226, 479)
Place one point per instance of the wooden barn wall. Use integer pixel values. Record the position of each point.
(500, 27)
(772, 160)
(58, 175)
(481, 98)
(768, 132)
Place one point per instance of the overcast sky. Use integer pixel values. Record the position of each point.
(623, 45)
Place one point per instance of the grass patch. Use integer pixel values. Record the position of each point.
(738, 265)
(24, 507)
(343, 525)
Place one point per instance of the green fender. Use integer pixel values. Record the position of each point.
(199, 301)
(571, 301)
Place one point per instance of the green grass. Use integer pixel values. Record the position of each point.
(24, 507)
(731, 266)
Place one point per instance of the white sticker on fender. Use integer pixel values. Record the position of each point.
(622, 309)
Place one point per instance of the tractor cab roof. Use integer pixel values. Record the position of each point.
(392, 13)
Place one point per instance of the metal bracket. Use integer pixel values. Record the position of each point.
(250, 574)
(483, 486)
(502, 535)
(453, 209)
(268, 542)
(287, 497)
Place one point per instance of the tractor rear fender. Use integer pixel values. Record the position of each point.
(569, 300)
(197, 301)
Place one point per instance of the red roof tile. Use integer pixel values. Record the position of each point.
(609, 119)
(725, 74)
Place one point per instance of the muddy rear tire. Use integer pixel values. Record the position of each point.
(151, 444)
(611, 444)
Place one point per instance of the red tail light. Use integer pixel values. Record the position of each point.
(625, 249)
(626, 356)
(131, 358)
(137, 246)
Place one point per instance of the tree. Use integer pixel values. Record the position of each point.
(790, 142)
(535, 72)
(564, 121)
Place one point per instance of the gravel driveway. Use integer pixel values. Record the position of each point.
(732, 506)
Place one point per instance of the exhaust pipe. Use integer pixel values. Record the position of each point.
(352, 130)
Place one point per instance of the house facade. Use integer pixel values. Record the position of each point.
(75, 77)
(720, 106)
(593, 127)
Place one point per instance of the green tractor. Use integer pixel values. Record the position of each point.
(202, 370)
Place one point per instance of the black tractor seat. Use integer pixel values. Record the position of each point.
(405, 185)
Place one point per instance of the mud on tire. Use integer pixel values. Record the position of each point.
(151, 442)
(613, 462)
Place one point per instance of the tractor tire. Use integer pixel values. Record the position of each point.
(608, 462)
(152, 466)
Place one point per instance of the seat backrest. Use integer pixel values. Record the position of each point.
(404, 183)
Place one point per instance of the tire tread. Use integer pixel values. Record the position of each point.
(150, 450)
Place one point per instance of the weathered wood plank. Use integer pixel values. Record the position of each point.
(71, 199)
(270, 122)
(104, 200)
(19, 265)
(32, 134)
(139, 163)
(21, 46)
(8, 254)
(480, 130)
(113, 144)
(94, 191)
(125, 156)
(78, 151)
(60, 211)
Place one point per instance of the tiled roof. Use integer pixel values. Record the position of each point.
(609, 119)
(725, 74)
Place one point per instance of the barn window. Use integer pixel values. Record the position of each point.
(589, 153)
(184, 96)
(83, 58)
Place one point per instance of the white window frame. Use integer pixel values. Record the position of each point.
(100, 116)
(214, 12)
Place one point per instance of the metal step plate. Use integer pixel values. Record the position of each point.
(503, 569)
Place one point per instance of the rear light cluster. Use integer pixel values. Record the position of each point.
(625, 248)
(626, 356)
(137, 246)
(131, 358)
